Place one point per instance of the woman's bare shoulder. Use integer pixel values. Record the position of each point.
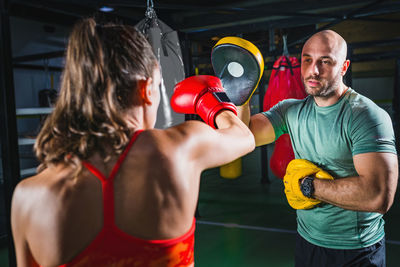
(177, 136)
(49, 207)
(42, 188)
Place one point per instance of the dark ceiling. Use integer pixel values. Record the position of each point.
(205, 17)
(204, 21)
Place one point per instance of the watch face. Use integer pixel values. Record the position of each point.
(307, 187)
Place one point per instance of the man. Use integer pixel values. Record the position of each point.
(112, 190)
(351, 138)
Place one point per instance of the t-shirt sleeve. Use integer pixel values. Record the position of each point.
(277, 116)
(372, 131)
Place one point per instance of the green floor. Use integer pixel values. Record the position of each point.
(243, 223)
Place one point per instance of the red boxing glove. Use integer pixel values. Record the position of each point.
(202, 95)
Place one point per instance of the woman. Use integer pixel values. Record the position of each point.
(111, 190)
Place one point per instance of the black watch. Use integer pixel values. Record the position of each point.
(307, 186)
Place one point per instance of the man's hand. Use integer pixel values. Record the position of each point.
(297, 170)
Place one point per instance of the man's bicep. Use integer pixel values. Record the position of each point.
(376, 162)
(379, 173)
(262, 129)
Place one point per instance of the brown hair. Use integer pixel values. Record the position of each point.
(102, 67)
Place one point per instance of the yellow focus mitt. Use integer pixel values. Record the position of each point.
(240, 65)
(298, 169)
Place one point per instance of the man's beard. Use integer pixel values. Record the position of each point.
(326, 90)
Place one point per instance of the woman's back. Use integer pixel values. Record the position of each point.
(153, 201)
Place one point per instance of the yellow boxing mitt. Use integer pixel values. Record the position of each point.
(240, 65)
(298, 169)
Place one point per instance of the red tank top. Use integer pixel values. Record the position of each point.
(113, 247)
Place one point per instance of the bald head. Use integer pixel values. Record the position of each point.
(323, 65)
(331, 41)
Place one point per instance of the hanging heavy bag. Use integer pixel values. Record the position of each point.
(166, 47)
(240, 65)
(285, 82)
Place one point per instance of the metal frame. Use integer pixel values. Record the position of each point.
(54, 54)
(263, 149)
(8, 124)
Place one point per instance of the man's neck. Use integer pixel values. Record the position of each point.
(332, 99)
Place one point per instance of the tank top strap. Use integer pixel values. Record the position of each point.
(107, 183)
(123, 155)
(94, 171)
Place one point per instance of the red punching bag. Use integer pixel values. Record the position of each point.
(284, 83)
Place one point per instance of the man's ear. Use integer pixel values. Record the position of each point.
(144, 89)
(345, 67)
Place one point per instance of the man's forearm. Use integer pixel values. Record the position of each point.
(354, 193)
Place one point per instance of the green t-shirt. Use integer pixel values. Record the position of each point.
(330, 137)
